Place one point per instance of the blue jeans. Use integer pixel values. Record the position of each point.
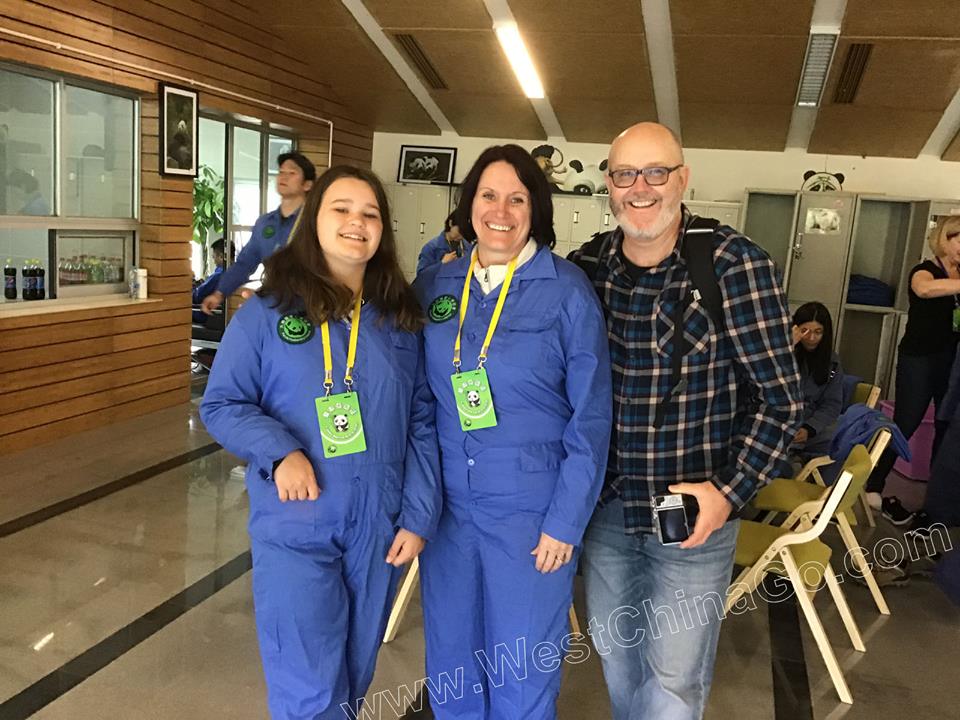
(655, 615)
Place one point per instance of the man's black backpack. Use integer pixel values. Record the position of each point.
(696, 248)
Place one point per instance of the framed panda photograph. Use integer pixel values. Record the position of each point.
(429, 165)
(178, 131)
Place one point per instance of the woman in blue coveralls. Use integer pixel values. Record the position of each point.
(516, 355)
(339, 501)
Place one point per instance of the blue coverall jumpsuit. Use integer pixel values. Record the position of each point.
(486, 607)
(270, 233)
(322, 589)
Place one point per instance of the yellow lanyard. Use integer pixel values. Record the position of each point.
(465, 300)
(351, 352)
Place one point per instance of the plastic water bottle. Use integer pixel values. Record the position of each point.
(10, 280)
(132, 282)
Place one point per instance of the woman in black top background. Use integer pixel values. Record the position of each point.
(926, 351)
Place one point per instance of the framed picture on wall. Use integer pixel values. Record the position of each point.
(421, 164)
(178, 131)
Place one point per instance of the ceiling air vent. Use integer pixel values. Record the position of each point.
(816, 65)
(853, 67)
(420, 61)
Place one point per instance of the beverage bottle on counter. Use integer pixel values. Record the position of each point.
(27, 272)
(132, 282)
(10, 280)
(40, 285)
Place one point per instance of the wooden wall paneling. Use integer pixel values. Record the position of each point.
(66, 316)
(93, 347)
(100, 71)
(32, 338)
(35, 377)
(166, 268)
(164, 250)
(115, 413)
(102, 382)
(169, 285)
(167, 216)
(45, 414)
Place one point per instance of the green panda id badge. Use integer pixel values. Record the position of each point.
(341, 426)
(471, 390)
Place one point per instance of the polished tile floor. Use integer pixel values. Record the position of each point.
(137, 604)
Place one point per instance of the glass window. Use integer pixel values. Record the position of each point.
(208, 194)
(26, 145)
(276, 147)
(98, 162)
(92, 263)
(246, 177)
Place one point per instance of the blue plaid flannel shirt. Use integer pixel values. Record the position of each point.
(741, 407)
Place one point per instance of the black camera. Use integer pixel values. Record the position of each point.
(674, 517)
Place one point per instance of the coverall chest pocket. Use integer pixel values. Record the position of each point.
(528, 339)
(697, 328)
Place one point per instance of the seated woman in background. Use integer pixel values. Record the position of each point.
(821, 379)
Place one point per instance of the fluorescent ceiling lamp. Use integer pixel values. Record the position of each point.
(816, 65)
(509, 36)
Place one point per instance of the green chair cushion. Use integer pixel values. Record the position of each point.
(754, 539)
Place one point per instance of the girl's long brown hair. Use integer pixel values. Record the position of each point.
(297, 276)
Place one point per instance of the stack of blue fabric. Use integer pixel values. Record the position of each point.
(865, 290)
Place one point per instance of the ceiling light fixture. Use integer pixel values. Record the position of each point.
(509, 36)
(816, 65)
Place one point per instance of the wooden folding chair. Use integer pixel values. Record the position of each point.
(799, 555)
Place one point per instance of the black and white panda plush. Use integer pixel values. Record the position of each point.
(814, 181)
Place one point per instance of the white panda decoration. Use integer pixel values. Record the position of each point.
(473, 398)
(814, 181)
(584, 180)
(341, 423)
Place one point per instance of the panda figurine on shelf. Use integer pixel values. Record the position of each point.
(584, 180)
(814, 181)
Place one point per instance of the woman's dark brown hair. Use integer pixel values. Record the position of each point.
(297, 276)
(532, 177)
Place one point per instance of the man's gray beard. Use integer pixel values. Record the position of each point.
(668, 216)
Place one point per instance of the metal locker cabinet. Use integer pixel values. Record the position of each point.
(821, 246)
(769, 218)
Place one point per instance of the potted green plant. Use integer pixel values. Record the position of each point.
(208, 215)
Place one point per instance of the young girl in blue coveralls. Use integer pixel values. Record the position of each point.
(516, 353)
(319, 385)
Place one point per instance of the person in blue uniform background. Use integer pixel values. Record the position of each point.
(447, 246)
(270, 232)
(331, 522)
(209, 285)
(497, 580)
(821, 380)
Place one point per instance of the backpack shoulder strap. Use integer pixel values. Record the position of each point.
(697, 250)
(588, 256)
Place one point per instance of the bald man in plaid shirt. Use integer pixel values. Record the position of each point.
(713, 423)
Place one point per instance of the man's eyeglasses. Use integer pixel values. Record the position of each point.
(653, 175)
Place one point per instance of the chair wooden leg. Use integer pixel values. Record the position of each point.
(844, 609)
(403, 599)
(867, 510)
(860, 563)
(816, 628)
(745, 583)
(574, 622)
